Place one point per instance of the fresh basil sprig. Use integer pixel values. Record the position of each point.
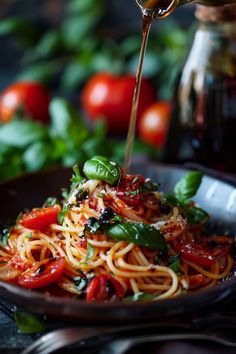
(138, 233)
(101, 168)
(188, 186)
(184, 190)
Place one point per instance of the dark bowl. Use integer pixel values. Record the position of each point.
(216, 196)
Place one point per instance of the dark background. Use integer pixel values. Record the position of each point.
(123, 17)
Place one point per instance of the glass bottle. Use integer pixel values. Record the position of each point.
(161, 8)
(203, 121)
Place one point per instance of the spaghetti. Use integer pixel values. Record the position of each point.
(110, 240)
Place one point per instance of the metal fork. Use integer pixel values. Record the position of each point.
(121, 346)
(62, 337)
(58, 339)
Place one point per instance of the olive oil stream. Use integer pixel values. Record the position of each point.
(162, 9)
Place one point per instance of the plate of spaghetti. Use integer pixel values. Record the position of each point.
(117, 245)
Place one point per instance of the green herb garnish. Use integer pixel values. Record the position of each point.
(138, 233)
(101, 168)
(28, 323)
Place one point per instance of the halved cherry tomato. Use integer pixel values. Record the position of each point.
(154, 123)
(31, 97)
(195, 281)
(104, 287)
(40, 219)
(128, 189)
(42, 274)
(196, 253)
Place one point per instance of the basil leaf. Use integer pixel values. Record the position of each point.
(188, 186)
(21, 133)
(174, 264)
(80, 283)
(62, 214)
(101, 168)
(138, 233)
(28, 323)
(50, 201)
(90, 253)
(196, 215)
(76, 178)
(5, 236)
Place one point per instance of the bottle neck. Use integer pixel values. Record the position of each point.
(206, 2)
(217, 14)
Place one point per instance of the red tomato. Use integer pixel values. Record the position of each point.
(104, 287)
(42, 274)
(109, 96)
(195, 281)
(128, 189)
(32, 97)
(40, 219)
(154, 123)
(196, 253)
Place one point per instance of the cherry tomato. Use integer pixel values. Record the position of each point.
(18, 263)
(195, 281)
(42, 274)
(110, 97)
(104, 287)
(40, 219)
(128, 189)
(31, 97)
(154, 123)
(196, 253)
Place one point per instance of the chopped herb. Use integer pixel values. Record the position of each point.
(116, 218)
(29, 235)
(157, 260)
(5, 236)
(101, 195)
(19, 217)
(150, 186)
(80, 283)
(174, 264)
(90, 253)
(77, 177)
(28, 323)
(50, 201)
(65, 193)
(140, 297)
(62, 214)
(135, 179)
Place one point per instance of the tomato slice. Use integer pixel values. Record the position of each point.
(195, 281)
(40, 219)
(196, 253)
(104, 287)
(128, 189)
(42, 274)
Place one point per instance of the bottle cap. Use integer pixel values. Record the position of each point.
(225, 13)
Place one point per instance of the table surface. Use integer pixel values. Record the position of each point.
(12, 341)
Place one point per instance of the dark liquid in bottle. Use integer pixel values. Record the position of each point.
(203, 129)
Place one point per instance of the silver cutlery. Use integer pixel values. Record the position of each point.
(61, 338)
(121, 346)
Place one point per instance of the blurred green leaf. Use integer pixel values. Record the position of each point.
(36, 156)
(20, 133)
(67, 122)
(50, 44)
(25, 31)
(41, 72)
